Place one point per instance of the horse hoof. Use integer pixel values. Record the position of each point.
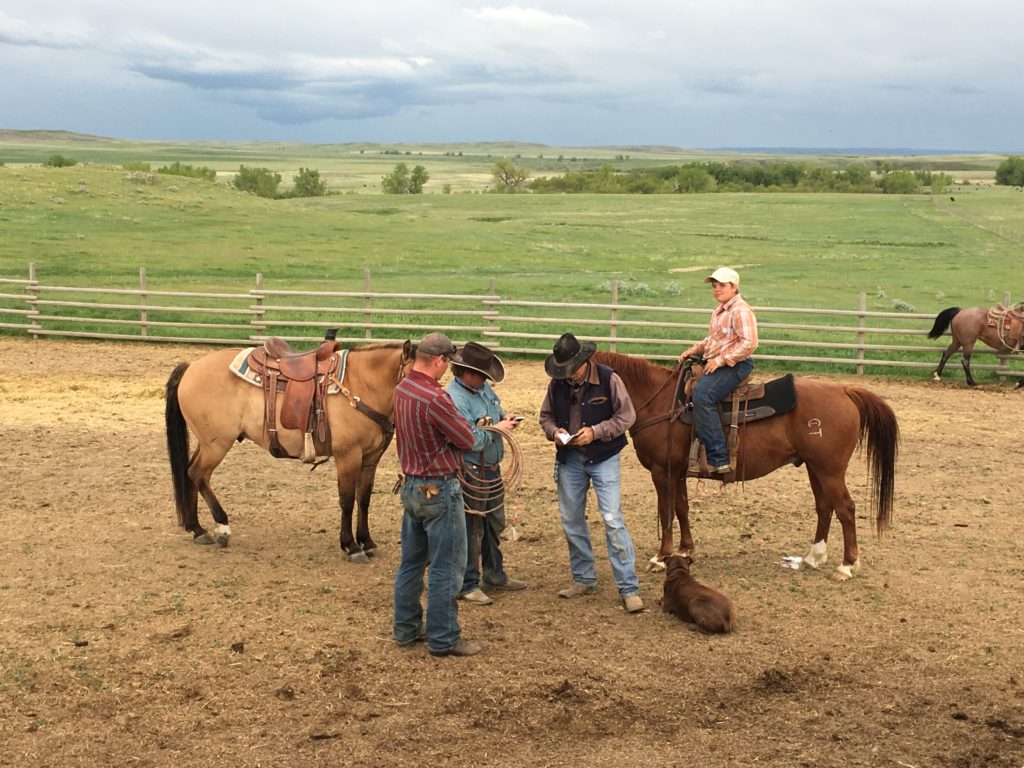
(844, 573)
(359, 557)
(203, 538)
(655, 565)
(222, 540)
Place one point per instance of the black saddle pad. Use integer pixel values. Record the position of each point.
(779, 397)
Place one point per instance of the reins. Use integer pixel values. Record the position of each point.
(673, 411)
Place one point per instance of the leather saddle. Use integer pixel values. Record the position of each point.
(747, 402)
(303, 377)
(1010, 322)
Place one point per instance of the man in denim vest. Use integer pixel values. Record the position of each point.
(586, 413)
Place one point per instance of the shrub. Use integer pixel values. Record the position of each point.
(308, 184)
(1010, 172)
(259, 181)
(59, 161)
(195, 172)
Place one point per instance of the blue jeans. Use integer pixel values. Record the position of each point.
(573, 478)
(434, 533)
(710, 390)
(483, 532)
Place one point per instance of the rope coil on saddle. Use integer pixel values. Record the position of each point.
(1016, 312)
(475, 489)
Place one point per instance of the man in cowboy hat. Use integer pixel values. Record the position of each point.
(474, 368)
(731, 340)
(586, 412)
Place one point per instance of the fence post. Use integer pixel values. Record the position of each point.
(259, 312)
(613, 330)
(488, 308)
(143, 315)
(862, 305)
(1003, 368)
(32, 289)
(367, 305)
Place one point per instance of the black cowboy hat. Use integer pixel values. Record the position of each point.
(479, 358)
(569, 354)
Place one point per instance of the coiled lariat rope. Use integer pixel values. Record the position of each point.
(478, 490)
(1016, 312)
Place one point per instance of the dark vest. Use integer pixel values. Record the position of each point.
(595, 408)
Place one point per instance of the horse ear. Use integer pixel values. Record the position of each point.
(408, 349)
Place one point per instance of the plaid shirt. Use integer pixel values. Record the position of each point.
(430, 432)
(733, 332)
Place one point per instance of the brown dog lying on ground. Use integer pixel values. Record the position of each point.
(711, 611)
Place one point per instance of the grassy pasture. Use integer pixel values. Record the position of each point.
(95, 224)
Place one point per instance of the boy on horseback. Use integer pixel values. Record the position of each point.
(727, 349)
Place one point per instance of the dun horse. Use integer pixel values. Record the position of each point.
(968, 325)
(821, 432)
(220, 408)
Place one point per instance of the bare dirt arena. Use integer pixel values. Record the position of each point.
(124, 643)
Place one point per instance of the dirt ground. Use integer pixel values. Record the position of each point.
(124, 643)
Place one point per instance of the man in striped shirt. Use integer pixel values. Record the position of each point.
(731, 340)
(431, 436)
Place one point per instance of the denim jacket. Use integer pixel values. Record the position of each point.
(475, 404)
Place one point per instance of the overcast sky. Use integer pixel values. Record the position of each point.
(924, 74)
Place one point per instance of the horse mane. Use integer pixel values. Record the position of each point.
(378, 345)
(629, 367)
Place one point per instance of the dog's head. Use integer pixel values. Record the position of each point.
(676, 565)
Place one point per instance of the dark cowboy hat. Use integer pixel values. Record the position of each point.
(479, 358)
(569, 354)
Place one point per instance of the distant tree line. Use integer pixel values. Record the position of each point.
(741, 177)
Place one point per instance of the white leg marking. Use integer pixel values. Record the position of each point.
(845, 572)
(222, 534)
(818, 554)
(656, 565)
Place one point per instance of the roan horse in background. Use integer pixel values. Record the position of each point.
(968, 325)
(220, 408)
(827, 424)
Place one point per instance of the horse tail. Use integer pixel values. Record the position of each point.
(942, 321)
(185, 497)
(878, 426)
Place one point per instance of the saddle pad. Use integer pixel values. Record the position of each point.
(779, 397)
(241, 368)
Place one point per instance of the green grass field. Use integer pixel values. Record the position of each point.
(95, 224)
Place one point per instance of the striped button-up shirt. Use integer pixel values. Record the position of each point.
(430, 432)
(733, 332)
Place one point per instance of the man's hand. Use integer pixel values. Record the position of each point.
(584, 437)
(685, 354)
(713, 364)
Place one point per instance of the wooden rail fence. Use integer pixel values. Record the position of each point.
(842, 339)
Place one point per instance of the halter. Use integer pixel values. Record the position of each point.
(382, 421)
